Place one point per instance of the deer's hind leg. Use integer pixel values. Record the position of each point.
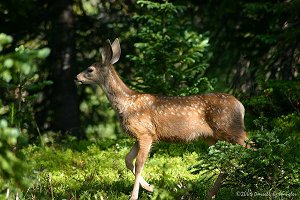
(129, 164)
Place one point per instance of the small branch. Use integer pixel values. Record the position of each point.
(213, 192)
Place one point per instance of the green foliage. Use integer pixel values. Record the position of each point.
(8, 138)
(276, 98)
(170, 57)
(252, 41)
(269, 166)
(21, 84)
(4, 40)
(96, 108)
(20, 87)
(12, 170)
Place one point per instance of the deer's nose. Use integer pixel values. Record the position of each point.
(76, 79)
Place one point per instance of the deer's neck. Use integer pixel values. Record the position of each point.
(117, 91)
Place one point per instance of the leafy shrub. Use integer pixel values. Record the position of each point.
(276, 98)
(269, 167)
(12, 170)
(21, 84)
(100, 120)
(20, 88)
(170, 57)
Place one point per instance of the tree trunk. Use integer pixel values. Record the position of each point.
(64, 100)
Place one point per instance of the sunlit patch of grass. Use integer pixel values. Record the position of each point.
(98, 171)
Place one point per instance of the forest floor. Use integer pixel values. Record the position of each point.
(96, 170)
(87, 170)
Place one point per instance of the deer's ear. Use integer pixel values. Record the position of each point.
(116, 49)
(107, 53)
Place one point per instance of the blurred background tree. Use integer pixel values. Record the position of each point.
(253, 42)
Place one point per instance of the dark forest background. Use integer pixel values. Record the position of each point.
(246, 48)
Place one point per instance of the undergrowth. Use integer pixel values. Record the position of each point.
(85, 170)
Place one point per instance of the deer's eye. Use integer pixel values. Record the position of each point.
(90, 70)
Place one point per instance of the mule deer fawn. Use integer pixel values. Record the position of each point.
(150, 118)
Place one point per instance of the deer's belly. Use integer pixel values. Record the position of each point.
(169, 128)
(182, 129)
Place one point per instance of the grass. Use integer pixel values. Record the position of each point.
(85, 170)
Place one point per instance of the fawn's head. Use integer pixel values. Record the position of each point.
(96, 73)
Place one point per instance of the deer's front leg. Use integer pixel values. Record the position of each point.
(129, 164)
(143, 147)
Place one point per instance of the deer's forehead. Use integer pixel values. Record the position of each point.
(96, 65)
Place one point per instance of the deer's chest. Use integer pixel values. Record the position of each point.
(138, 124)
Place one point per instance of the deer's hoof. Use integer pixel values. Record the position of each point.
(149, 188)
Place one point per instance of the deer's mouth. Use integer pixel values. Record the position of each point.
(79, 82)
